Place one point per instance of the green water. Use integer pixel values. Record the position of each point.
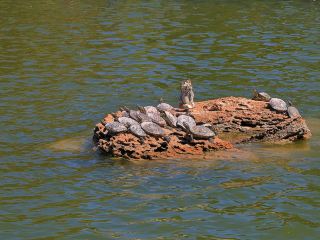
(64, 64)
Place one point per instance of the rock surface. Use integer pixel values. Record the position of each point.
(239, 119)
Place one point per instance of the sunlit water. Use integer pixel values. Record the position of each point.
(64, 64)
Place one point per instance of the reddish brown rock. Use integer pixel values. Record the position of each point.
(238, 119)
(253, 118)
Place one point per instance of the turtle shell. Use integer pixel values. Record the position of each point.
(127, 121)
(115, 127)
(151, 109)
(170, 119)
(134, 114)
(142, 117)
(137, 130)
(152, 129)
(278, 104)
(187, 120)
(124, 114)
(156, 118)
(262, 96)
(293, 112)
(202, 132)
(164, 107)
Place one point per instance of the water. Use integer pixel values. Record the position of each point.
(64, 64)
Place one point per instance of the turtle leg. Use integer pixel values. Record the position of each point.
(141, 140)
(191, 139)
(167, 139)
(169, 127)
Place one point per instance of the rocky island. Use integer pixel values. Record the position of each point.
(197, 127)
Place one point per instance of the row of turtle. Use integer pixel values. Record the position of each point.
(277, 104)
(150, 120)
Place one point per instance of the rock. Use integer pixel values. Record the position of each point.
(252, 118)
(235, 119)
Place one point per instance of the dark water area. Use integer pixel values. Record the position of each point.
(64, 64)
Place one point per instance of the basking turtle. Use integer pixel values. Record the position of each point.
(199, 132)
(278, 104)
(261, 96)
(137, 115)
(131, 113)
(137, 131)
(164, 107)
(293, 111)
(124, 113)
(184, 119)
(115, 127)
(157, 119)
(127, 121)
(169, 118)
(152, 129)
(154, 117)
(151, 109)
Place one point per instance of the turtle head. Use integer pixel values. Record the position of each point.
(142, 109)
(210, 126)
(161, 110)
(162, 114)
(186, 126)
(139, 118)
(290, 103)
(114, 116)
(125, 108)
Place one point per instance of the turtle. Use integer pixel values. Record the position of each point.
(137, 115)
(169, 118)
(124, 113)
(115, 127)
(131, 113)
(151, 109)
(199, 132)
(185, 119)
(260, 96)
(152, 129)
(157, 119)
(293, 111)
(278, 104)
(137, 131)
(154, 117)
(127, 121)
(164, 107)
(141, 117)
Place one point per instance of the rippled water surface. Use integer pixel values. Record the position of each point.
(64, 64)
